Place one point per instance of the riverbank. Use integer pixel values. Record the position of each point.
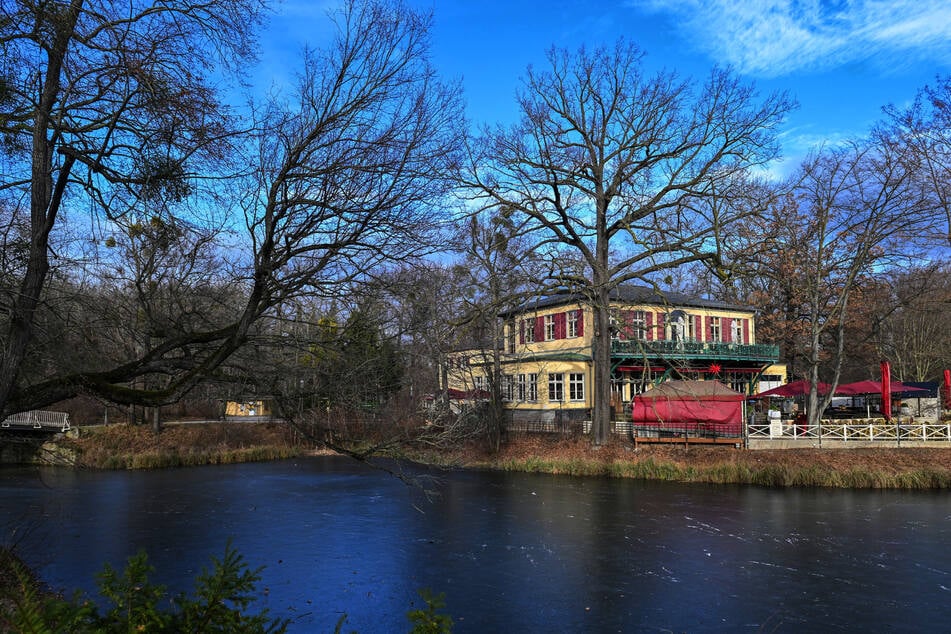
(181, 445)
(126, 447)
(911, 468)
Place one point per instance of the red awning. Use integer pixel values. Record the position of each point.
(639, 368)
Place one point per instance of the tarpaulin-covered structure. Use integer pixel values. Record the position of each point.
(690, 406)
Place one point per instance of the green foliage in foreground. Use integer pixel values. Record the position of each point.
(222, 599)
(428, 620)
(220, 604)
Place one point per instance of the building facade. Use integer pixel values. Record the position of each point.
(546, 363)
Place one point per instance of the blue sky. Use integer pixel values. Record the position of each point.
(842, 61)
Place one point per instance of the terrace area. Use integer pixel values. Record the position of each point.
(687, 350)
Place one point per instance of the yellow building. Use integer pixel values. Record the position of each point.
(546, 365)
(249, 408)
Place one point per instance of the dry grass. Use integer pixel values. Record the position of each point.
(127, 447)
(911, 468)
(138, 447)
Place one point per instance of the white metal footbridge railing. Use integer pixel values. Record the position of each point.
(853, 430)
(37, 419)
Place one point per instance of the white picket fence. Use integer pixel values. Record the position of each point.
(853, 431)
(37, 419)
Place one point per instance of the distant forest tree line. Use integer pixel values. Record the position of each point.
(328, 246)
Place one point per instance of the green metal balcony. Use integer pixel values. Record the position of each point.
(708, 350)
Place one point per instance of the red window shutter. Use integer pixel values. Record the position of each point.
(661, 335)
(727, 333)
(539, 329)
(698, 329)
(521, 331)
(580, 322)
(560, 325)
(649, 324)
(746, 331)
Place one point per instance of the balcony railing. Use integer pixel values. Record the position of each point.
(695, 350)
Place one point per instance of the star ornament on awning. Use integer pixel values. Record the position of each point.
(714, 368)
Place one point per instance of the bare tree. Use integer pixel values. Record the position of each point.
(496, 268)
(112, 114)
(106, 102)
(626, 174)
(925, 127)
(423, 304)
(913, 328)
(857, 207)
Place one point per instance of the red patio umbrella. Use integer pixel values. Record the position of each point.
(795, 388)
(859, 388)
(886, 390)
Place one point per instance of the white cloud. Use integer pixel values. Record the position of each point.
(771, 38)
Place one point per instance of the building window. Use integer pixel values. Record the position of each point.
(556, 387)
(737, 327)
(614, 323)
(715, 334)
(531, 389)
(520, 388)
(576, 386)
(678, 323)
(528, 328)
(508, 387)
(549, 327)
(691, 331)
(510, 338)
(479, 383)
(638, 325)
(572, 321)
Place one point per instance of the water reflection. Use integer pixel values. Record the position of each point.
(512, 552)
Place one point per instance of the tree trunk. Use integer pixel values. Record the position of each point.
(45, 197)
(601, 358)
(498, 409)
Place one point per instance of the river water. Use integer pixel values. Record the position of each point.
(511, 552)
